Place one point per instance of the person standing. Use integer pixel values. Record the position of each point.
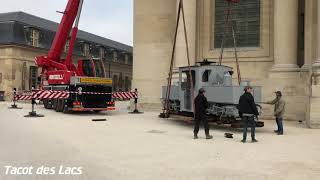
(247, 111)
(279, 109)
(201, 105)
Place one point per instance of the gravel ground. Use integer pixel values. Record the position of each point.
(145, 147)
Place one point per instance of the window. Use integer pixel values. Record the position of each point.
(94, 51)
(126, 58)
(121, 57)
(245, 19)
(130, 61)
(102, 54)
(185, 84)
(35, 38)
(85, 49)
(13, 73)
(127, 84)
(45, 38)
(32, 36)
(33, 77)
(24, 75)
(115, 56)
(115, 83)
(120, 82)
(99, 68)
(87, 68)
(205, 76)
(66, 47)
(78, 47)
(109, 54)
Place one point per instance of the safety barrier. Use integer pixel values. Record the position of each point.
(136, 111)
(45, 94)
(14, 105)
(50, 94)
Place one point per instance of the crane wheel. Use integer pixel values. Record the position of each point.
(60, 103)
(45, 104)
(54, 104)
(65, 108)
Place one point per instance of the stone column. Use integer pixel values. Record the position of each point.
(285, 35)
(314, 111)
(154, 27)
(190, 11)
(308, 39)
(316, 63)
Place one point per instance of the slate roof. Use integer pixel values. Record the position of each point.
(42, 23)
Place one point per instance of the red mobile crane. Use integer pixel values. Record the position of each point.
(88, 88)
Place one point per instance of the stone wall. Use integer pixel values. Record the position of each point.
(15, 62)
(273, 65)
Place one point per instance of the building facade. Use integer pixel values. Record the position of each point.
(278, 43)
(24, 36)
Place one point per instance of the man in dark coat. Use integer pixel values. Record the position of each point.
(247, 111)
(201, 105)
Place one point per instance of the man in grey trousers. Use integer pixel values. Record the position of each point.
(279, 109)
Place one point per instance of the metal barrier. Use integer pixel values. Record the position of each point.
(2, 95)
(33, 113)
(136, 111)
(49, 94)
(14, 105)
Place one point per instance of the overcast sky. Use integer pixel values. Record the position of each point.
(112, 19)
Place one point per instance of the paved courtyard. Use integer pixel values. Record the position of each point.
(145, 147)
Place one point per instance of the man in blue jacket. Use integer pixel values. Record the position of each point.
(247, 111)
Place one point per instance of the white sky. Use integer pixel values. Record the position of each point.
(112, 19)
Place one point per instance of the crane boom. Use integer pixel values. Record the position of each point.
(52, 64)
(62, 34)
(53, 60)
(72, 41)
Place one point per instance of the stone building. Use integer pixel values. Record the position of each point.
(278, 43)
(24, 36)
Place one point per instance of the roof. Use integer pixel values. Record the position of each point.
(203, 66)
(42, 23)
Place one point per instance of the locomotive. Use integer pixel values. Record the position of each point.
(222, 95)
